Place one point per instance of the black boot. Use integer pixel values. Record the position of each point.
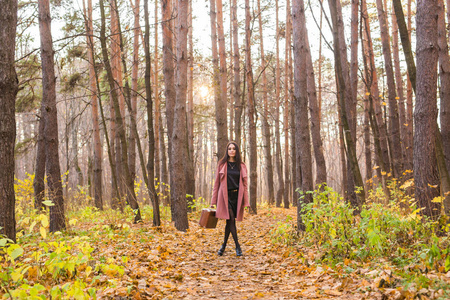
(238, 251)
(221, 250)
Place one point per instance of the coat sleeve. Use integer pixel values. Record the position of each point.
(216, 187)
(245, 182)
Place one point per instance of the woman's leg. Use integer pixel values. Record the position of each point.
(227, 233)
(225, 238)
(232, 226)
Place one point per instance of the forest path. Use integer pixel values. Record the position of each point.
(178, 265)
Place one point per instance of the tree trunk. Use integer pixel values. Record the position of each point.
(354, 65)
(444, 76)
(109, 142)
(302, 131)
(116, 70)
(168, 72)
(343, 94)
(393, 126)
(238, 105)
(367, 146)
(151, 137)
(119, 121)
(158, 135)
(97, 167)
(75, 162)
(160, 146)
(250, 110)
(223, 140)
(231, 108)
(265, 117)
(409, 106)
(39, 171)
(179, 134)
(287, 161)
(351, 81)
(314, 112)
(134, 91)
(319, 81)
(404, 37)
(296, 170)
(190, 170)
(8, 92)
(400, 96)
(444, 93)
(278, 160)
(220, 105)
(57, 217)
(342, 149)
(375, 114)
(426, 176)
(125, 97)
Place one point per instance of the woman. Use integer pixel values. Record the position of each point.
(230, 193)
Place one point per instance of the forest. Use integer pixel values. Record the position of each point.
(114, 115)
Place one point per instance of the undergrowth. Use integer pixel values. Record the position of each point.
(68, 264)
(393, 231)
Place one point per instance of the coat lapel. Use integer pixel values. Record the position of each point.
(223, 184)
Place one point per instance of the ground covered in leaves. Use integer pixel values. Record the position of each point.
(105, 257)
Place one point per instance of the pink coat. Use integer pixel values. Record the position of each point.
(220, 193)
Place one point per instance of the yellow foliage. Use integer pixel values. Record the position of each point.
(437, 199)
(44, 221)
(43, 232)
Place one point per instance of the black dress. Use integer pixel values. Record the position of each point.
(233, 176)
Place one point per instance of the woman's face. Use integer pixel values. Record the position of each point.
(231, 150)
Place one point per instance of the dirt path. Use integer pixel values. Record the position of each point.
(186, 266)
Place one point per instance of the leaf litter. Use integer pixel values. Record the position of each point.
(176, 265)
(143, 262)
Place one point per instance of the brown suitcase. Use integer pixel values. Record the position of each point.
(208, 218)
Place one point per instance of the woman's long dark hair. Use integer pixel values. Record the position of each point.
(225, 158)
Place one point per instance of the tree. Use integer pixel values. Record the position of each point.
(400, 94)
(134, 92)
(117, 75)
(302, 130)
(49, 116)
(405, 39)
(39, 170)
(151, 137)
(222, 133)
(314, 111)
(8, 92)
(129, 183)
(393, 125)
(278, 161)
(344, 97)
(168, 72)
(179, 134)
(250, 109)
(219, 100)
(444, 76)
(238, 106)
(190, 170)
(98, 199)
(405, 36)
(265, 116)
(443, 139)
(374, 109)
(160, 147)
(287, 163)
(426, 176)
